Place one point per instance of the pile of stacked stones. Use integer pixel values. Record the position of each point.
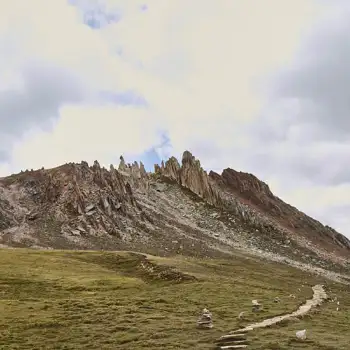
(205, 319)
(235, 340)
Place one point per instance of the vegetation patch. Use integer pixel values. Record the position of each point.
(104, 300)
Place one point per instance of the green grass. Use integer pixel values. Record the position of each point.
(105, 300)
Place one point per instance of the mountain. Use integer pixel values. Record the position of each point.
(177, 209)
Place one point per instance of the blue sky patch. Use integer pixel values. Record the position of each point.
(97, 18)
(124, 98)
(149, 158)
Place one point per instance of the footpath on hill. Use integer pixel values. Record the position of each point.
(237, 339)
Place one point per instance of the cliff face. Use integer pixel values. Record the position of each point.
(176, 209)
(252, 200)
(191, 176)
(257, 195)
(76, 198)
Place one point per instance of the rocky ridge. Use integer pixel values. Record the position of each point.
(178, 209)
(252, 200)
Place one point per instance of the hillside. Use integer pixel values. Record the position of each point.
(124, 259)
(178, 209)
(105, 300)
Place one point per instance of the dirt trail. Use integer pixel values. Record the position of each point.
(319, 296)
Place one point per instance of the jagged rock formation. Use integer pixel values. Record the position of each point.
(79, 199)
(252, 200)
(178, 209)
(6, 216)
(190, 175)
(273, 214)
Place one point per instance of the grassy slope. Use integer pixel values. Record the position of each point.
(104, 300)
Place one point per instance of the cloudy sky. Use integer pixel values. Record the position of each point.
(258, 86)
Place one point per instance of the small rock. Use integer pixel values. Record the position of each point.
(32, 216)
(301, 334)
(241, 314)
(89, 207)
(81, 229)
(159, 187)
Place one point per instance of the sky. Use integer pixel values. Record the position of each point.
(257, 86)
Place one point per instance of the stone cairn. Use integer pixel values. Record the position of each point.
(256, 306)
(234, 340)
(205, 320)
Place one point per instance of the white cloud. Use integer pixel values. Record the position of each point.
(75, 137)
(203, 67)
(330, 204)
(218, 64)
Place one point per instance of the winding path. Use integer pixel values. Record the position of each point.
(318, 297)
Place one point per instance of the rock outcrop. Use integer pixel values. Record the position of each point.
(191, 176)
(252, 201)
(179, 209)
(82, 200)
(257, 196)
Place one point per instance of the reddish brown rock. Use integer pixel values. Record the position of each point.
(252, 200)
(256, 195)
(87, 205)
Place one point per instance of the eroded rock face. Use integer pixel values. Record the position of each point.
(136, 174)
(80, 199)
(191, 176)
(256, 195)
(94, 194)
(253, 202)
(146, 210)
(122, 165)
(212, 189)
(171, 169)
(248, 185)
(6, 216)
